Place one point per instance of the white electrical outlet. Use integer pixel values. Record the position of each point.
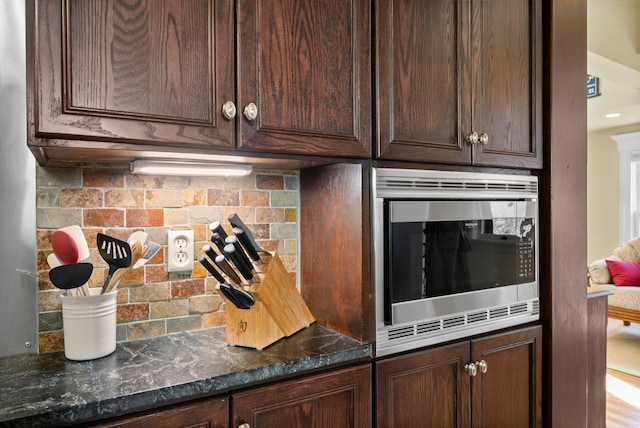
(180, 250)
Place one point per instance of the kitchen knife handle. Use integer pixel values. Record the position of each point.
(209, 252)
(246, 243)
(225, 267)
(218, 241)
(230, 251)
(209, 267)
(216, 227)
(237, 222)
(240, 252)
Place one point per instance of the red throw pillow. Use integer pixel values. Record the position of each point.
(624, 273)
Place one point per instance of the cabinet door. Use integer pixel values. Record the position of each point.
(424, 389)
(507, 76)
(509, 394)
(449, 68)
(306, 66)
(145, 72)
(209, 413)
(338, 399)
(423, 100)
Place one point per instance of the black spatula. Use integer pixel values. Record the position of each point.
(70, 276)
(115, 252)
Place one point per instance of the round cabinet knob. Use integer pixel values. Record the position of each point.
(229, 110)
(472, 138)
(484, 139)
(472, 369)
(245, 425)
(251, 112)
(482, 365)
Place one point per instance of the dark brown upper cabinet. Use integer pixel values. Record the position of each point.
(154, 73)
(112, 79)
(304, 74)
(459, 82)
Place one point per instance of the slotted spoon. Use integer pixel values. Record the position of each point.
(115, 252)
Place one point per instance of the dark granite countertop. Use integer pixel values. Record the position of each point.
(598, 293)
(49, 390)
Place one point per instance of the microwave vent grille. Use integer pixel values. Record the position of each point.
(456, 185)
(443, 183)
(476, 317)
(463, 324)
(499, 312)
(453, 322)
(427, 327)
(399, 333)
(519, 308)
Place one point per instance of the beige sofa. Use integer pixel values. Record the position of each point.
(624, 303)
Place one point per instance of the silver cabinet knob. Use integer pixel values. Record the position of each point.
(245, 425)
(472, 369)
(229, 110)
(472, 138)
(251, 112)
(482, 365)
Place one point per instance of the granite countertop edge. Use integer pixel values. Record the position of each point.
(208, 367)
(598, 293)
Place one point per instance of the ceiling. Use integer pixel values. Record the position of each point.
(613, 55)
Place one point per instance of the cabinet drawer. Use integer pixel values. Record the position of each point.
(337, 399)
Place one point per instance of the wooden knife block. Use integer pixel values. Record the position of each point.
(279, 310)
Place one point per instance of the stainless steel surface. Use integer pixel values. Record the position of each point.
(420, 211)
(528, 291)
(18, 293)
(413, 183)
(430, 321)
(404, 337)
(438, 307)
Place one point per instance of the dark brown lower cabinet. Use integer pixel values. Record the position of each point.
(207, 413)
(339, 399)
(436, 387)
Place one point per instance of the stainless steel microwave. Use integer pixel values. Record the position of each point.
(455, 255)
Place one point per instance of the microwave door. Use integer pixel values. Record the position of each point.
(439, 248)
(426, 260)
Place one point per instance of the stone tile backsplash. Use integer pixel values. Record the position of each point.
(151, 301)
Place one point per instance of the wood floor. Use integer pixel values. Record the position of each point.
(620, 413)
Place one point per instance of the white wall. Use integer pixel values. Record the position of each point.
(603, 192)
